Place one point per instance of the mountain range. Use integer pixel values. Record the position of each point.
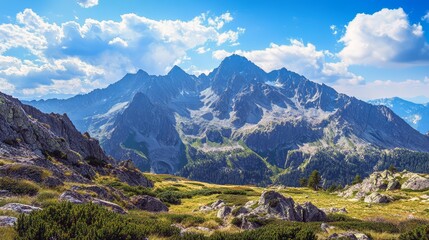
(242, 125)
(415, 114)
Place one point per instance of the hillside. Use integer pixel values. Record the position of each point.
(242, 125)
(193, 209)
(417, 115)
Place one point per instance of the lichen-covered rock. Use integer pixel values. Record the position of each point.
(7, 221)
(78, 198)
(272, 204)
(416, 182)
(224, 212)
(112, 206)
(149, 203)
(377, 198)
(19, 208)
(350, 235)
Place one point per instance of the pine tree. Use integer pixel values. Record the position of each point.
(303, 182)
(357, 179)
(392, 168)
(314, 180)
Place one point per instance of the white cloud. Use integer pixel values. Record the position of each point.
(6, 87)
(219, 21)
(426, 17)
(334, 29)
(384, 38)
(202, 50)
(87, 3)
(100, 52)
(229, 36)
(118, 41)
(300, 58)
(407, 89)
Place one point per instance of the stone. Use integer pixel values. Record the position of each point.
(376, 197)
(149, 203)
(349, 235)
(272, 204)
(7, 221)
(113, 206)
(74, 197)
(19, 208)
(335, 210)
(324, 227)
(393, 185)
(218, 204)
(224, 212)
(416, 182)
(311, 213)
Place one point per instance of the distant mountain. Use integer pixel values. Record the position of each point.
(240, 125)
(417, 115)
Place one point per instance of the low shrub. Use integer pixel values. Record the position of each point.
(20, 187)
(419, 233)
(87, 221)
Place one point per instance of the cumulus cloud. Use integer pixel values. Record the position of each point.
(302, 58)
(87, 3)
(384, 38)
(371, 90)
(97, 53)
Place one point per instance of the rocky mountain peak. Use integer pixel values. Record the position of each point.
(177, 72)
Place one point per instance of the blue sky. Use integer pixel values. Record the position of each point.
(364, 48)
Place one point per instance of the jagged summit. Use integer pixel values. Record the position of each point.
(235, 124)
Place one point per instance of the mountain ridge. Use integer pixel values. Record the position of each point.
(415, 114)
(219, 121)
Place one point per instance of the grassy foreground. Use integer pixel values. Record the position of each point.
(185, 197)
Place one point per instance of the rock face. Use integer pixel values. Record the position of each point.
(48, 149)
(7, 221)
(161, 121)
(149, 203)
(19, 208)
(376, 197)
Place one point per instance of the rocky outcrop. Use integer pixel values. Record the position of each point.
(416, 182)
(274, 205)
(78, 198)
(224, 212)
(214, 206)
(369, 189)
(376, 197)
(149, 203)
(350, 236)
(19, 208)
(47, 149)
(7, 221)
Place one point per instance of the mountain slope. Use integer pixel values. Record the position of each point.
(240, 124)
(417, 115)
(47, 148)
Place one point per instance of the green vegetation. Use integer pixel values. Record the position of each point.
(314, 180)
(419, 233)
(20, 187)
(68, 221)
(357, 179)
